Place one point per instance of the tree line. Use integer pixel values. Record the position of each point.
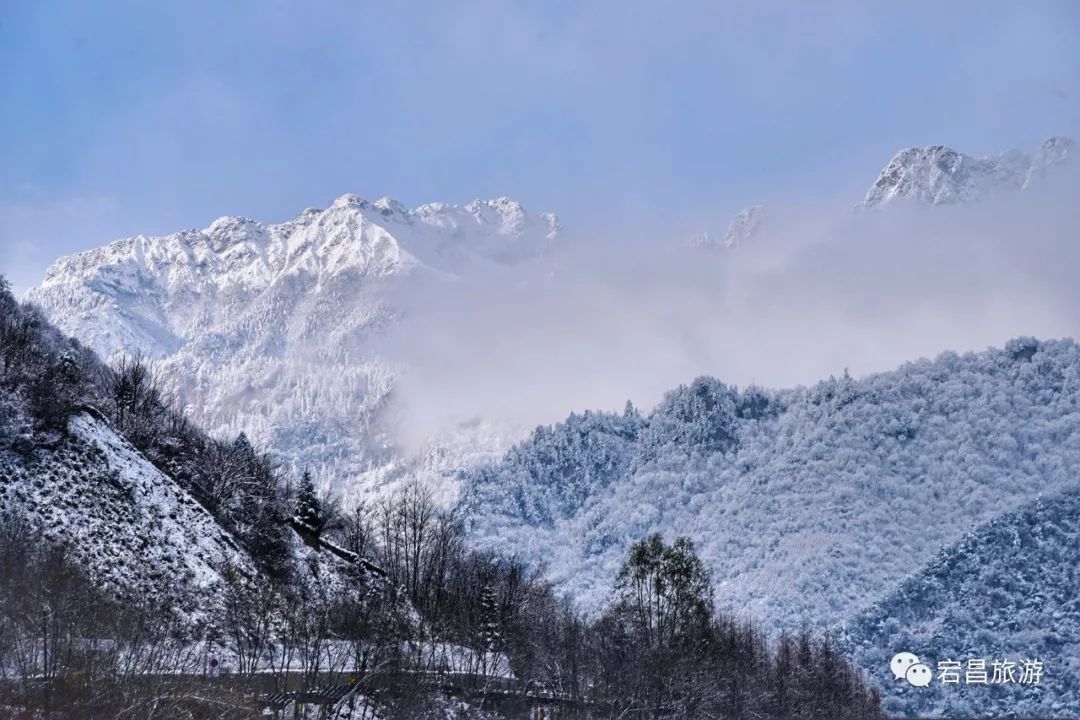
(658, 650)
(437, 607)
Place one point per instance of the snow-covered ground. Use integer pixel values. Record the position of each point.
(134, 529)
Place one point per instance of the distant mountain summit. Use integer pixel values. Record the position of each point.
(939, 175)
(931, 175)
(269, 328)
(744, 226)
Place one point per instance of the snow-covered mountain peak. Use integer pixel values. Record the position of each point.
(1054, 152)
(351, 235)
(347, 200)
(940, 175)
(226, 234)
(230, 224)
(389, 207)
(1056, 149)
(269, 328)
(744, 226)
(506, 215)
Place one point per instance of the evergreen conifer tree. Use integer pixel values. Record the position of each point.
(308, 508)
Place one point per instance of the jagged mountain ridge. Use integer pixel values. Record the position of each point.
(939, 175)
(801, 501)
(1010, 589)
(273, 329)
(744, 226)
(929, 176)
(269, 329)
(151, 293)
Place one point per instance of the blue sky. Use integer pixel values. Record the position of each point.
(144, 117)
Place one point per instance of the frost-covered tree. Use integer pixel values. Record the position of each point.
(698, 418)
(559, 468)
(309, 511)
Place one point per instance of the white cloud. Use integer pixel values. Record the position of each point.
(627, 317)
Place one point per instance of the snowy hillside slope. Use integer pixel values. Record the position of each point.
(1009, 589)
(135, 531)
(271, 329)
(139, 535)
(806, 504)
(939, 175)
(144, 505)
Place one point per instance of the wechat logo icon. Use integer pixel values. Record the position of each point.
(906, 666)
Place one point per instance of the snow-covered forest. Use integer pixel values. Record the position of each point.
(1009, 589)
(148, 569)
(318, 492)
(297, 451)
(806, 504)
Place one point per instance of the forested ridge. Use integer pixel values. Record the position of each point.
(1007, 591)
(801, 502)
(303, 588)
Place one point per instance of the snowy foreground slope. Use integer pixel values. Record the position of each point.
(807, 504)
(135, 531)
(1009, 590)
(272, 329)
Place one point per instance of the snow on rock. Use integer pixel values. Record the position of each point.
(271, 329)
(744, 226)
(939, 175)
(136, 532)
(1054, 152)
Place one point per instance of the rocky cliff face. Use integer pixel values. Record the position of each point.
(272, 329)
(939, 175)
